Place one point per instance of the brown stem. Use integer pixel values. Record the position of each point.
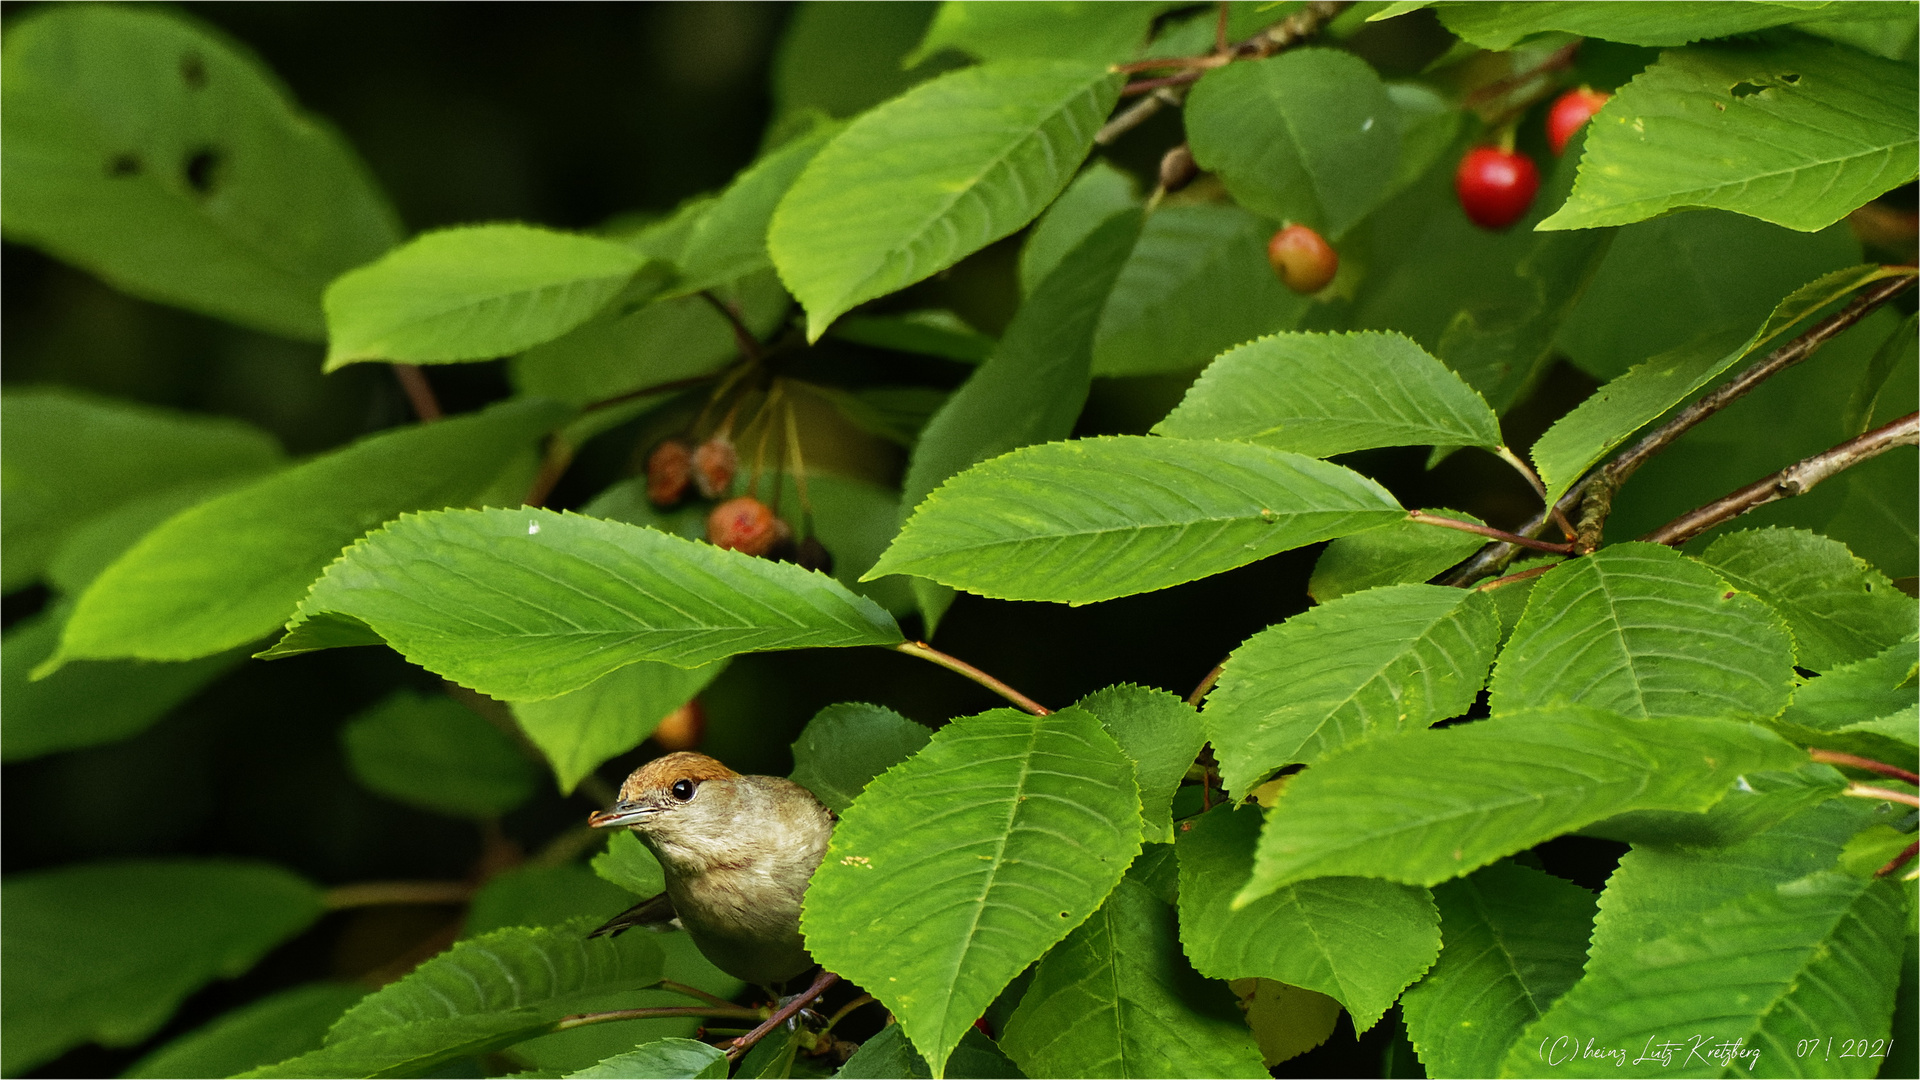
(694, 992)
(378, 893)
(553, 465)
(647, 391)
(1854, 761)
(419, 391)
(1206, 685)
(800, 1001)
(844, 1011)
(1523, 575)
(1220, 28)
(927, 652)
(1425, 518)
(1899, 860)
(1868, 791)
(1539, 487)
(743, 337)
(1796, 479)
(1134, 89)
(734, 1012)
(1134, 115)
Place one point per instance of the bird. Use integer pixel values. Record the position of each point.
(737, 852)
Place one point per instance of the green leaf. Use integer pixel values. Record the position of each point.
(1197, 283)
(483, 994)
(1161, 734)
(1399, 553)
(915, 185)
(933, 332)
(1117, 998)
(1327, 394)
(1839, 608)
(1098, 193)
(955, 870)
(1388, 660)
(1797, 133)
(472, 293)
(729, 240)
(86, 703)
(1428, 806)
(1500, 26)
(1515, 940)
(840, 59)
(564, 599)
(1092, 519)
(430, 751)
(628, 864)
(1621, 407)
(1878, 686)
(1738, 949)
(1642, 630)
(164, 158)
(1099, 33)
(1672, 280)
(845, 746)
(581, 730)
(1897, 353)
(663, 1058)
(230, 569)
(105, 952)
(275, 1027)
(1357, 940)
(72, 458)
(530, 895)
(1032, 388)
(1308, 136)
(889, 1055)
(1759, 802)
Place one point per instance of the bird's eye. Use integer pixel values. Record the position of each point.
(682, 790)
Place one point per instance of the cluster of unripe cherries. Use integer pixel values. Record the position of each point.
(1495, 186)
(743, 523)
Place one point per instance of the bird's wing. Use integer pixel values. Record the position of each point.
(655, 914)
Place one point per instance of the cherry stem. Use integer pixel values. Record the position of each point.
(1854, 761)
(927, 652)
(800, 1001)
(1511, 578)
(1868, 791)
(695, 992)
(1487, 530)
(419, 392)
(646, 391)
(1201, 691)
(377, 893)
(1899, 860)
(1539, 488)
(743, 337)
(735, 1012)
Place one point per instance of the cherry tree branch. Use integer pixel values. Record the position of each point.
(1797, 479)
(932, 655)
(1425, 518)
(799, 1001)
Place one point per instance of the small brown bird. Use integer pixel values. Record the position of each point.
(737, 852)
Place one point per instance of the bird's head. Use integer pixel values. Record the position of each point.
(674, 797)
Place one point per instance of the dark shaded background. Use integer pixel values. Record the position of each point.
(564, 115)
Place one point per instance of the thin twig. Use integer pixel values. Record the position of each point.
(1134, 89)
(1206, 685)
(419, 391)
(1796, 479)
(857, 1003)
(735, 1012)
(1425, 518)
(694, 992)
(1531, 572)
(647, 391)
(1868, 791)
(1220, 28)
(1854, 761)
(554, 459)
(1899, 860)
(743, 337)
(1539, 487)
(927, 652)
(1134, 115)
(800, 1001)
(377, 893)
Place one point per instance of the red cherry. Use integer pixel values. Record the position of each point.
(744, 525)
(1570, 110)
(1495, 186)
(713, 466)
(1303, 259)
(683, 728)
(669, 469)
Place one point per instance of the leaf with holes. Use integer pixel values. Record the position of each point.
(1387, 660)
(1092, 519)
(1798, 133)
(955, 870)
(156, 153)
(1428, 806)
(529, 604)
(1358, 940)
(1643, 630)
(1840, 609)
(1327, 394)
(932, 176)
(472, 293)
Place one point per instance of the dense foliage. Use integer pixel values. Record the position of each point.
(1583, 759)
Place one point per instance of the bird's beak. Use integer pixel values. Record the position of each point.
(620, 813)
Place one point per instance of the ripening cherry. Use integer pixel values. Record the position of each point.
(683, 728)
(1303, 259)
(1570, 110)
(669, 470)
(745, 525)
(713, 466)
(1495, 186)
